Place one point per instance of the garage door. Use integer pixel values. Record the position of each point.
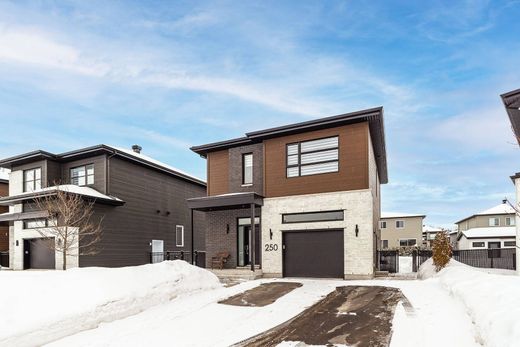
(313, 253)
(37, 255)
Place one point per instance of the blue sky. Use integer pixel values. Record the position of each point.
(168, 75)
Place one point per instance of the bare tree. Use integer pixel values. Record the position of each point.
(70, 229)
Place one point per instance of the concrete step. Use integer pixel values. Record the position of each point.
(381, 274)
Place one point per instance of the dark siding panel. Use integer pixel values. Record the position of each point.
(53, 173)
(129, 229)
(235, 169)
(99, 171)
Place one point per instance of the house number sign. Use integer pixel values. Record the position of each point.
(270, 247)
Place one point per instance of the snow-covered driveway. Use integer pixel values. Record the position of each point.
(198, 319)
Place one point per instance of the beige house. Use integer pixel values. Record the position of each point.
(491, 228)
(401, 230)
(429, 232)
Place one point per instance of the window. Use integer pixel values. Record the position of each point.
(82, 175)
(383, 224)
(478, 244)
(494, 222)
(399, 224)
(179, 235)
(247, 168)
(32, 179)
(312, 217)
(385, 243)
(313, 157)
(35, 223)
(407, 242)
(510, 221)
(509, 243)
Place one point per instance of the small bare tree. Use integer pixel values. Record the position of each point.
(70, 230)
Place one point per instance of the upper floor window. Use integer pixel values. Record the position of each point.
(399, 224)
(247, 168)
(32, 179)
(510, 221)
(313, 157)
(494, 222)
(383, 224)
(82, 175)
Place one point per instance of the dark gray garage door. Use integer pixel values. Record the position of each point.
(313, 253)
(37, 255)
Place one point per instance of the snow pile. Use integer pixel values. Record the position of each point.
(491, 300)
(42, 306)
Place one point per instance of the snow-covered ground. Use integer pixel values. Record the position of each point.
(37, 307)
(490, 297)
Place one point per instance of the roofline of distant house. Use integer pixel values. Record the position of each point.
(405, 216)
(374, 116)
(483, 214)
(89, 151)
(511, 102)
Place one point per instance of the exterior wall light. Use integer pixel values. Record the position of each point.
(357, 230)
(227, 228)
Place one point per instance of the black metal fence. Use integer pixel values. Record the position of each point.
(388, 261)
(200, 257)
(4, 259)
(491, 258)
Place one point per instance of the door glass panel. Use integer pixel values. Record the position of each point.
(241, 250)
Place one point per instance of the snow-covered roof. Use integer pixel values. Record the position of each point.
(431, 229)
(490, 232)
(154, 161)
(503, 208)
(4, 174)
(400, 215)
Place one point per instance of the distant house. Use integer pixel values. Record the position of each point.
(491, 228)
(429, 232)
(401, 230)
(4, 226)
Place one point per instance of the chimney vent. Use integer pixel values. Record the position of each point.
(137, 148)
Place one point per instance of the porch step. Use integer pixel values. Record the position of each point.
(382, 274)
(225, 275)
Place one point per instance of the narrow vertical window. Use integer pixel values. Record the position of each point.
(247, 168)
(179, 235)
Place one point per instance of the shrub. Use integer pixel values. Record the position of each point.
(441, 251)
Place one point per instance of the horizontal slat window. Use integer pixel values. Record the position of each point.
(321, 216)
(313, 157)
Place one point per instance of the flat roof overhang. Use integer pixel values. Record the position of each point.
(226, 201)
(17, 199)
(511, 102)
(9, 217)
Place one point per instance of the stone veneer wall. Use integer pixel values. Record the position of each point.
(358, 206)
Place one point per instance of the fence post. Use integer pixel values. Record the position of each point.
(195, 255)
(414, 260)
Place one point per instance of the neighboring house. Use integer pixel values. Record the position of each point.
(491, 228)
(401, 230)
(428, 234)
(453, 237)
(142, 202)
(310, 189)
(511, 102)
(4, 226)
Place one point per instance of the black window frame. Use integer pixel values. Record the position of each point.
(509, 243)
(86, 175)
(244, 169)
(397, 226)
(474, 244)
(34, 180)
(311, 213)
(407, 242)
(381, 224)
(299, 154)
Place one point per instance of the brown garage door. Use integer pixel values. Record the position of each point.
(37, 255)
(313, 253)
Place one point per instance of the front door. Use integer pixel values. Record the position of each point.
(26, 254)
(244, 244)
(157, 251)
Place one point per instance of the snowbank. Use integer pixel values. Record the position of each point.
(42, 306)
(492, 300)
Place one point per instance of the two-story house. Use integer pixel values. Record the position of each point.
(4, 226)
(311, 191)
(142, 203)
(430, 232)
(401, 230)
(491, 228)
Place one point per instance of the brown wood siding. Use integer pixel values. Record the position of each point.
(218, 172)
(128, 230)
(353, 163)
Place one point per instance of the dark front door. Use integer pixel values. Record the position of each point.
(38, 255)
(244, 244)
(313, 253)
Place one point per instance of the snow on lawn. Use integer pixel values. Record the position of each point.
(41, 306)
(491, 300)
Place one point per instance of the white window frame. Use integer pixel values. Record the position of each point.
(397, 224)
(245, 182)
(299, 160)
(511, 220)
(473, 244)
(494, 219)
(382, 224)
(182, 237)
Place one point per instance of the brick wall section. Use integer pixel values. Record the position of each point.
(218, 240)
(235, 168)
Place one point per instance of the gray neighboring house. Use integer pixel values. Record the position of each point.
(142, 202)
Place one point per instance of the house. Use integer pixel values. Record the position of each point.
(491, 228)
(428, 234)
(401, 230)
(310, 189)
(4, 226)
(141, 200)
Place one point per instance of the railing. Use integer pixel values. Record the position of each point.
(4, 259)
(200, 257)
(491, 258)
